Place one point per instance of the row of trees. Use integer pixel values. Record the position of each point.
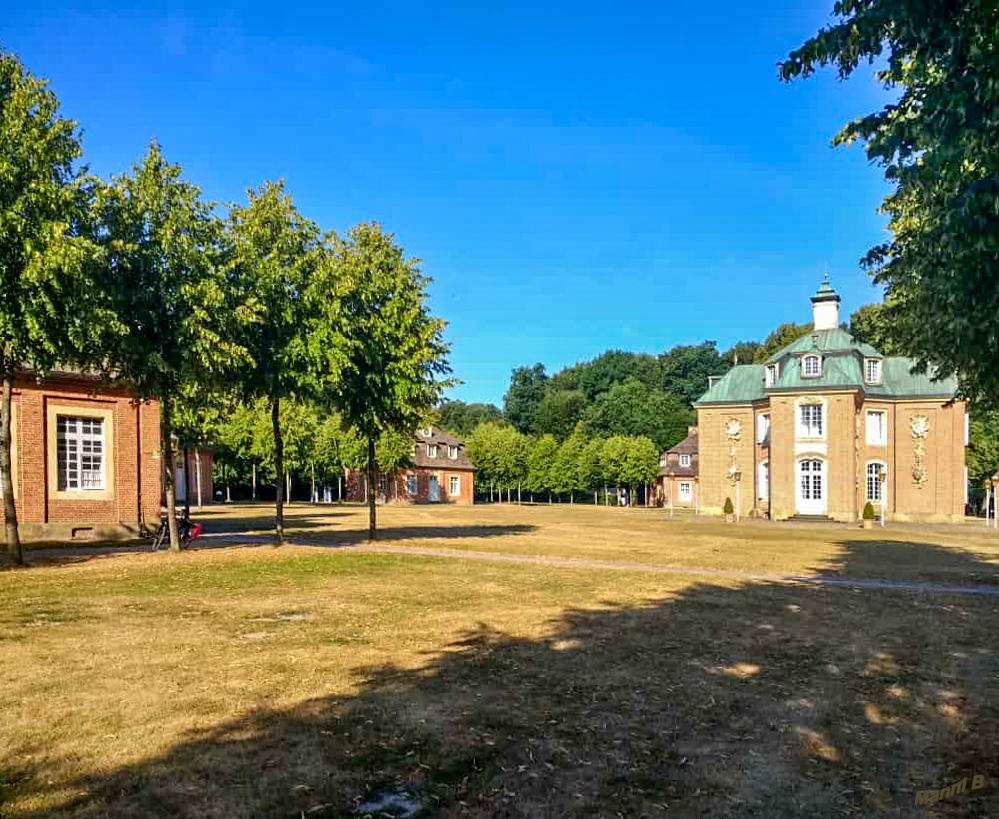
(512, 461)
(142, 281)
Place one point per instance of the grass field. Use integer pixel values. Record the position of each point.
(262, 681)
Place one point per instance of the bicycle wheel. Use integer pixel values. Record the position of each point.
(161, 536)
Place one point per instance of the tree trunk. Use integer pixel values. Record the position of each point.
(253, 488)
(594, 497)
(339, 488)
(287, 484)
(166, 429)
(372, 477)
(7, 474)
(278, 470)
(518, 494)
(197, 474)
(313, 495)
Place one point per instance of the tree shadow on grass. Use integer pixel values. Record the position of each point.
(762, 700)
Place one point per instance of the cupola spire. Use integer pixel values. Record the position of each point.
(825, 306)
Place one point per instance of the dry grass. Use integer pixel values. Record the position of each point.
(266, 682)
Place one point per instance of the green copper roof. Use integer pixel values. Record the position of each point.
(825, 291)
(742, 383)
(826, 341)
(898, 381)
(838, 371)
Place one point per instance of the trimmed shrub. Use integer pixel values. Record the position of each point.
(868, 511)
(729, 508)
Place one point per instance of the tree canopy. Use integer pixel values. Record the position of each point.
(938, 143)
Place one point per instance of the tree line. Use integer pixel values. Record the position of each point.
(202, 306)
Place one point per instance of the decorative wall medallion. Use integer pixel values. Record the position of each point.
(733, 430)
(920, 426)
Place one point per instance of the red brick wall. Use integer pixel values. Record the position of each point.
(133, 438)
(396, 492)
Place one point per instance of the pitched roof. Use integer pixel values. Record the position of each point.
(444, 442)
(743, 383)
(825, 341)
(688, 446)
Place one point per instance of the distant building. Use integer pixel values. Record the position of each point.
(440, 473)
(85, 465)
(678, 473)
(829, 424)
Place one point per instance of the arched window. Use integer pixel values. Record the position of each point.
(811, 366)
(875, 487)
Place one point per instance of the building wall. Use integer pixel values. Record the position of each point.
(670, 485)
(396, 489)
(846, 453)
(191, 476)
(132, 463)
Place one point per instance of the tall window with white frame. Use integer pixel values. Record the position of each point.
(877, 427)
(411, 485)
(872, 370)
(684, 490)
(810, 421)
(80, 451)
(763, 479)
(763, 428)
(771, 374)
(875, 488)
(454, 486)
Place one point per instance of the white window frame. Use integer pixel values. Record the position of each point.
(773, 373)
(411, 485)
(874, 480)
(663, 460)
(763, 480)
(685, 460)
(452, 452)
(873, 440)
(815, 427)
(762, 427)
(451, 481)
(77, 446)
(431, 450)
(876, 363)
(684, 495)
(804, 365)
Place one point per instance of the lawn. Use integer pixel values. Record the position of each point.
(274, 681)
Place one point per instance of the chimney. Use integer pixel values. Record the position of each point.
(691, 431)
(825, 306)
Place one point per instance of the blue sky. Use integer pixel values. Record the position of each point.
(574, 178)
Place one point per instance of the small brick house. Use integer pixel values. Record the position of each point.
(440, 473)
(829, 424)
(678, 473)
(85, 465)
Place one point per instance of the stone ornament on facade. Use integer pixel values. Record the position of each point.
(733, 430)
(920, 427)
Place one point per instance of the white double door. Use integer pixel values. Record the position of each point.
(813, 487)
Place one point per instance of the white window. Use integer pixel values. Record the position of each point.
(411, 484)
(967, 429)
(431, 450)
(454, 486)
(877, 427)
(811, 366)
(872, 370)
(452, 452)
(874, 485)
(684, 460)
(772, 372)
(80, 447)
(662, 460)
(810, 421)
(762, 428)
(685, 490)
(763, 480)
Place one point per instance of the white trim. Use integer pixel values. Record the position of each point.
(81, 455)
(763, 480)
(762, 427)
(877, 375)
(876, 498)
(431, 450)
(810, 357)
(772, 374)
(684, 496)
(871, 434)
(451, 481)
(684, 460)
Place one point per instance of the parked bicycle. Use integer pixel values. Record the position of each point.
(186, 528)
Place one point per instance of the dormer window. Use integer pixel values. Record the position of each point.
(431, 450)
(872, 370)
(452, 452)
(772, 373)
(811, 366)
(684, 460)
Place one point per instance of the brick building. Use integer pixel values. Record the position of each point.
(678, 473)
(828, 424)
(440, 473)
(84, 465)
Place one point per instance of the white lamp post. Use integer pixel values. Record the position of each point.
(738, 483)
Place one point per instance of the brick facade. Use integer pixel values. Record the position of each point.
(132, 463)
(393, 488)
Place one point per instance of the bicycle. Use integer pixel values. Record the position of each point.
(187, 530)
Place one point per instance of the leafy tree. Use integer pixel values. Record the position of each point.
(514, 451)
(559, 412)
(634, 409)
(742, 352)
(983, 446)
(616, 367)
(376, 348)
(870, 325)
(641, 466)
(566, 478)
(685, 370)
(541, 463)
(462, 419)
(614, 460)
(275, 253)
(937, 143)
(483, 450)
(46, 309)
(521, 402)
(176, 317)
(780, 338)
(589, 467)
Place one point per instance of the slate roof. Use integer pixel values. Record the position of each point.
(443, 440)
(688, 446)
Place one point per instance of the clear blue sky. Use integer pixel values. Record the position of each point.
(575, 179)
